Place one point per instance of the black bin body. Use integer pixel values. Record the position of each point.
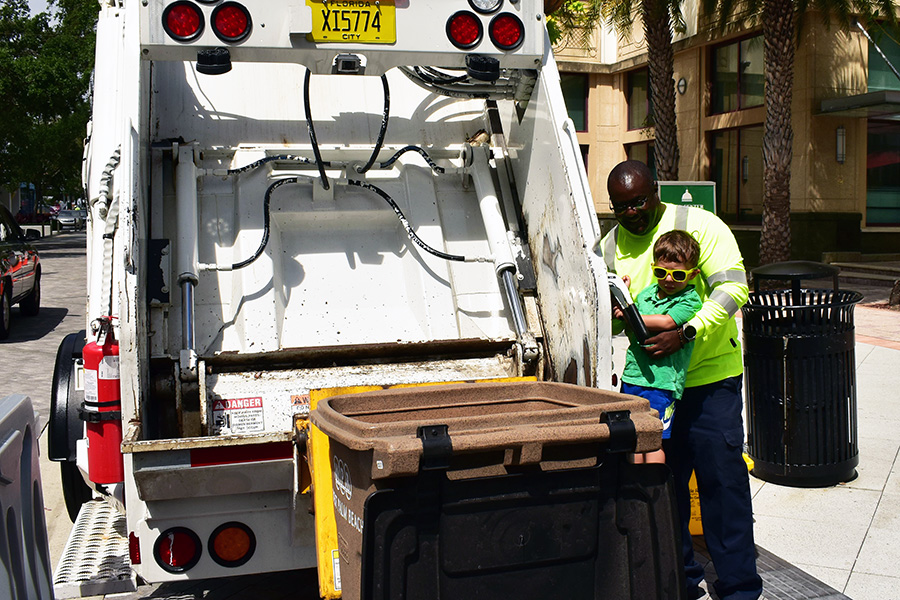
(800, 369)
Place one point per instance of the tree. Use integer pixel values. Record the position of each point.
(658, 17)
(45, 69)
(781, 22)
(571, 22)
(576, 18)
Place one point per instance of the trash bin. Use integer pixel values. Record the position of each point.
(499, 490)
(799, 361)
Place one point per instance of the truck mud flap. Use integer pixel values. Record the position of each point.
(609, 531)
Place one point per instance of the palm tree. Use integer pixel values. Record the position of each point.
(661, 65)
(575, 17)
(781, 21)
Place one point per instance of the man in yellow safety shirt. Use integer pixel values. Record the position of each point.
(707, 431)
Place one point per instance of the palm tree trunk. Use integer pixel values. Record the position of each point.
(778, 137)
(660, 62)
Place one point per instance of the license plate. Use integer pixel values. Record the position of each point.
(353, 21)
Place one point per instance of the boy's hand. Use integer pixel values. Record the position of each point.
(627, 281)
(617, 312)
(663, 344)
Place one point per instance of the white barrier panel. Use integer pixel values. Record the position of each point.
(23, 531)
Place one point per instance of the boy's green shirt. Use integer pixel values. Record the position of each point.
(668, 372)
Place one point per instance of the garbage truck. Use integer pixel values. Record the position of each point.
(293, 201)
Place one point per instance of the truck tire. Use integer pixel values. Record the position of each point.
(65, 427)
(30, 305)
(5, 311)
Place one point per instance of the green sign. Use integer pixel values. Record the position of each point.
(689, 193)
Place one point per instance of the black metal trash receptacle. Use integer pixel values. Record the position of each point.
(800, 369)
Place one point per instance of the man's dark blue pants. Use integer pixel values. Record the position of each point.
(707, 437)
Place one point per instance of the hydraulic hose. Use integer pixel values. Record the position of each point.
(406, 149)
(268, 159)
(437, 77)
(362, 184)
(266, 221)
(385, 114)
(409, 230)
(310, 127)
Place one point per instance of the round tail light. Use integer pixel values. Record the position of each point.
(464, 30)
(232, 544)
(231, 22)
(177, 549)
(507, 31)
(183, 21)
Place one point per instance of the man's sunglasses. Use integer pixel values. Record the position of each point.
(636, 204)
(677, 274)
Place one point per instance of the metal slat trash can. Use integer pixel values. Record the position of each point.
(800, 369)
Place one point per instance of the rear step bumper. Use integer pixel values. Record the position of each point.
(95, 560)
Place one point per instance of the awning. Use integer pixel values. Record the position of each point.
(884, 104)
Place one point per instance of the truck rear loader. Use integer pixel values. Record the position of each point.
(297, 199)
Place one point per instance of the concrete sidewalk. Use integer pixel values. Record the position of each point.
(848, 536)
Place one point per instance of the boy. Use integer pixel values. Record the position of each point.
(664, 306)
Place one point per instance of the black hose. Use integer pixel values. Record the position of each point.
(268, 159)
(406, 149)
(409, 230)
(385, 114)
(433, 76)
(265, 238)
(312, 132)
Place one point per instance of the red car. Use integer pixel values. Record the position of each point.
(20, 271)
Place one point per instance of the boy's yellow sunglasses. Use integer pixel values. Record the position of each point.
(677, 274)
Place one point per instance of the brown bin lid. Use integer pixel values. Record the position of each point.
(524, 416)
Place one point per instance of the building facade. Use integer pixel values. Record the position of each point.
(845, 174)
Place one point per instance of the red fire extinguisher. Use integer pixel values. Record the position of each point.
(102, 408)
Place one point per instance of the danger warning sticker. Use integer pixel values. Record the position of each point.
(237, 415)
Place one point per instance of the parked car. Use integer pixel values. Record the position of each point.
(20, 271)
(72, 219)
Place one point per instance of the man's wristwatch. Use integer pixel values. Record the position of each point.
(687, 333)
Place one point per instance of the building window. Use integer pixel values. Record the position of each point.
(737, 169)
(575, 93)
(585, 150)
(640, 105)
(644, 152)
(737, 74)
(881, 77)
(883, 173)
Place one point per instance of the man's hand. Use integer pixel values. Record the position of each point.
(663, 344)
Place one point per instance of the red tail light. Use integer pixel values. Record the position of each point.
(231, 22)
(464, 30)
(232, 544)
(183, 21)
(134, 548)
(177, 549)
(507, 31)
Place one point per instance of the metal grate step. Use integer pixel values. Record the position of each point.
(95, 560)
(781, 579)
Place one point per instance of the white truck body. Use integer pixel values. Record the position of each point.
(217, 361)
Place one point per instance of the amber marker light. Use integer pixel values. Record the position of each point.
(232, 544)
